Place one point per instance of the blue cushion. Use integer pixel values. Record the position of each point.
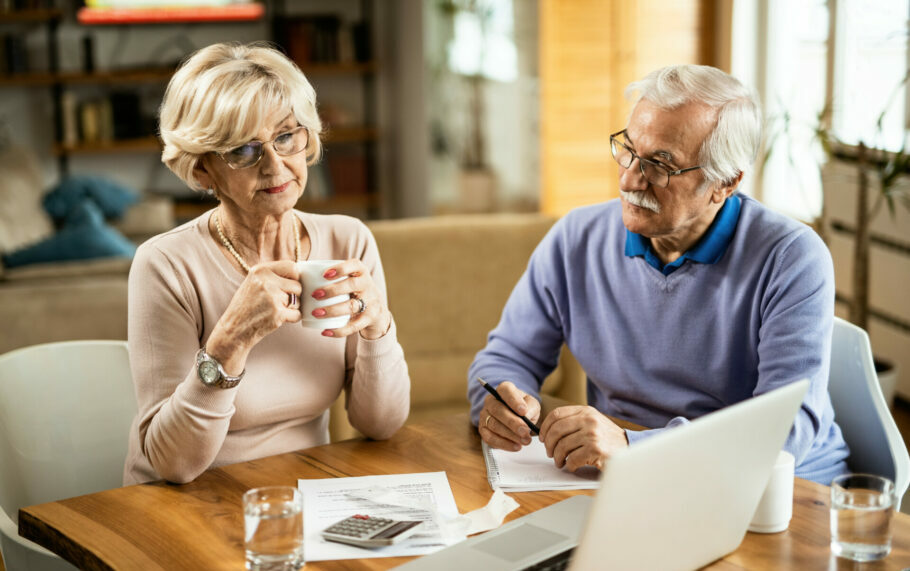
(113, 199)
(84, 235)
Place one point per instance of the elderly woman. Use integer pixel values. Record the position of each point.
(224, 372)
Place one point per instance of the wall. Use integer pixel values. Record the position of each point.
(589, 51)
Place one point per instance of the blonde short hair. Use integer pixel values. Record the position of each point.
(221, 95)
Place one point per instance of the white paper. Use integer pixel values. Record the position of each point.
(425, 496)
(530, 469)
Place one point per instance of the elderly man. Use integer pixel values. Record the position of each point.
(680, 298)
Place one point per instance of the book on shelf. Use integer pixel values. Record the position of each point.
(320, 39)
(348, 171)
(15, 53)
(117, 116)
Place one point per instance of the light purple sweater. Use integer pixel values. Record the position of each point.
(659, 350)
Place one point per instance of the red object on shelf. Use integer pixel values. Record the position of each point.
(229, 13)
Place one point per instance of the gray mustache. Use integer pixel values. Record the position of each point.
(642, 200)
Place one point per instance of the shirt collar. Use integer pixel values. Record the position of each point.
(708, 250)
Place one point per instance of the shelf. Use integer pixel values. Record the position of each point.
(43, 79)
(174, 15)
(147, 75)
(31, 79)
(349, 135)
(152, 75)
(339, 68)
(143, 144)
(26, 16)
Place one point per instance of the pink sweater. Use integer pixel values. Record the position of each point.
(180, 284)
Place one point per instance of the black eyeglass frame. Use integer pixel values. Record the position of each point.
(642, 161)
(262, 145)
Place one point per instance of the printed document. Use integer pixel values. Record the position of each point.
(425, 496)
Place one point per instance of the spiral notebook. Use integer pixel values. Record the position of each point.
(530, 470)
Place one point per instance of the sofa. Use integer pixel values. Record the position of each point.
(448, 278)
(84, 299)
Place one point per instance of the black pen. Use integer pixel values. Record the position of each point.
(534, 428)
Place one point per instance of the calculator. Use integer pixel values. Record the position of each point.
(369, 531)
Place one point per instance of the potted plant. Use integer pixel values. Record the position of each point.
(458, 127)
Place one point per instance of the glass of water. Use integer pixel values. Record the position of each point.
(273, 528)
(861, 510)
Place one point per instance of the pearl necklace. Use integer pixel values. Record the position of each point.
(230, 247)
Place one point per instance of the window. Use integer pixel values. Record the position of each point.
(786, 55)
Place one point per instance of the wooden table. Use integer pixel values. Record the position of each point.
(200, 525)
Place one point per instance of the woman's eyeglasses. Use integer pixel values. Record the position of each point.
(285, 144)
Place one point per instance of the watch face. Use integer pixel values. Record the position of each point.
(208, 372)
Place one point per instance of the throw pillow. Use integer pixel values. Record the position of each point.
(113, 199)
(23, 221)
(84, 235)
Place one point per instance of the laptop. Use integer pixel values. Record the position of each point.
(678, 500)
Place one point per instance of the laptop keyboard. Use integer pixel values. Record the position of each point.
(558, 562)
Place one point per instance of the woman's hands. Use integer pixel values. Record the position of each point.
(375, 319)
(260, 305)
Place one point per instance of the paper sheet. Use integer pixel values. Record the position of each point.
(426, 497)
(530, 469)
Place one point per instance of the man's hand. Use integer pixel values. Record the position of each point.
(577, 436)
(499, 427)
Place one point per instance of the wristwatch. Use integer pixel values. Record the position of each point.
(212, 374)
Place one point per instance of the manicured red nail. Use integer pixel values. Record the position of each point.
(330, 274)
(328, 333)
(319, 294)
(319, 312)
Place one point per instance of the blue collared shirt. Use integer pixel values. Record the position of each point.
(708, 250)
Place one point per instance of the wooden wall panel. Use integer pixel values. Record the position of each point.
(589, 51)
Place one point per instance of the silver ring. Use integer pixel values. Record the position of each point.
(292, 299)
(363, 305)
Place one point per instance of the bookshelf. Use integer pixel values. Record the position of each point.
(348, 175)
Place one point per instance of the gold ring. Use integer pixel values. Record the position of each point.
(486, 423)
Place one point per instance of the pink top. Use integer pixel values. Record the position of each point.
(180, 284)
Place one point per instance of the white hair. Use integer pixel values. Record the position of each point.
(733, 143)
(221, 96)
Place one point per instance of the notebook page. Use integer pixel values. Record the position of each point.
(530, 469)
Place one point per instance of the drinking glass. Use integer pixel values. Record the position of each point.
(861, 510)
(273, 526)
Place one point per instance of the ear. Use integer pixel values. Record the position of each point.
(201, 173)
(726, 188)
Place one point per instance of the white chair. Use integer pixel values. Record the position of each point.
(876, 445)
(65, 414)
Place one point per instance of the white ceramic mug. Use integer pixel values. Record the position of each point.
(776, 505)
(311, 278)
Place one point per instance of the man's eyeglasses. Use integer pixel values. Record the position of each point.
(288, 143)
(654, 172)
